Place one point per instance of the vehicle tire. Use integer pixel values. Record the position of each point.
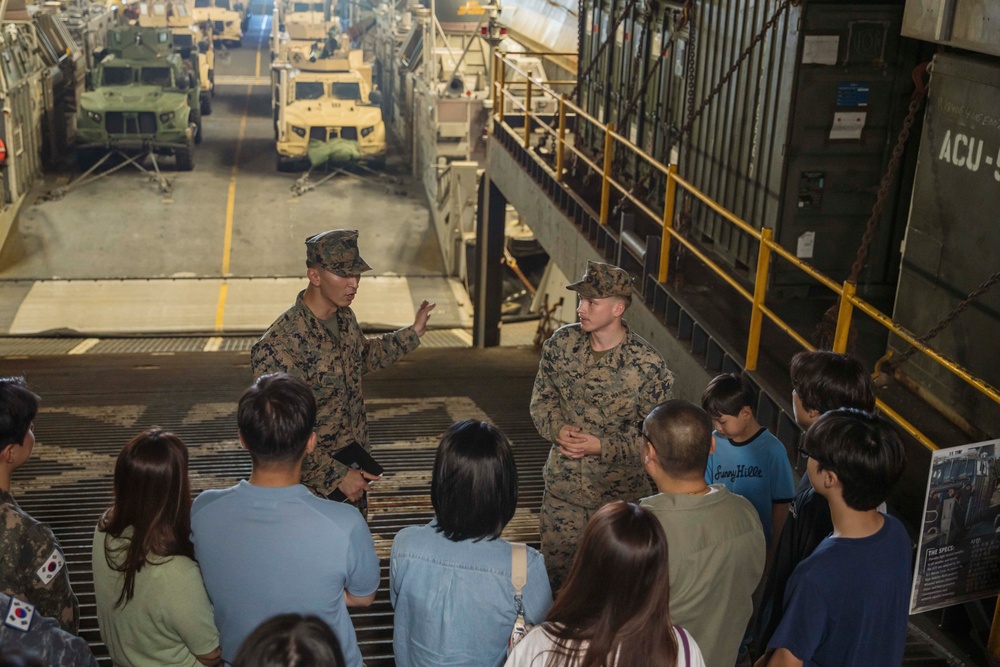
(206, 104)
(377, 163)
(185, 157)
(283, 164)
(195, 118)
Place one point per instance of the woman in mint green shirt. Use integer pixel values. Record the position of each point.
(151, 603)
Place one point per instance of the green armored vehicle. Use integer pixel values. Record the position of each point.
(145, 98)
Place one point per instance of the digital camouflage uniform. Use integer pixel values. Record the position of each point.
(608, 398)
(26, 545)
(45, 639)
(298, 343)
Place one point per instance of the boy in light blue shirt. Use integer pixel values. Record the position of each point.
(748, 459)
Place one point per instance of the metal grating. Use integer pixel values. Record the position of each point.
(14, 347)
(93, 405)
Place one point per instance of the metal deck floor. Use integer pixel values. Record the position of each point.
(93, 404)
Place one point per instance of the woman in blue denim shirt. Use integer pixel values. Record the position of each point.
(449, 581)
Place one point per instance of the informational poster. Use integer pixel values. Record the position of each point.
(958, 558)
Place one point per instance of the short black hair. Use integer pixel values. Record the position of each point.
(276, 416)
(864, 451)
(18, 407)
(827, 380)
(474, 483)
(728, 394)
(681, 434)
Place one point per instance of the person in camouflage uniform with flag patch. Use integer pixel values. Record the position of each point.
(596, 382)
(40, 637)
(32, 565)
(319, 341)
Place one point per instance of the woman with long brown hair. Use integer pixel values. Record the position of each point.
(614, 609)
(151, 602)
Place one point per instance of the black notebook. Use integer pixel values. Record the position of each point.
(355, 457)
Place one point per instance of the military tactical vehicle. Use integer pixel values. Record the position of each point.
(145, 98)
(228, 19)
(192, 41)
(324, 107)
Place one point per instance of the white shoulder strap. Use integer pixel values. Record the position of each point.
(519, 566)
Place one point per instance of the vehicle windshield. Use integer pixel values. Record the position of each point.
(156, 76)
(116, 76)
(300, 7)
(202, 3)
(348, 91)
(308, 90)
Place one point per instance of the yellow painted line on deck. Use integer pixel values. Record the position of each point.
(85, 346)
(227, 243)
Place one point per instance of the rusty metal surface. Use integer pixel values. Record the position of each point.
(93, 404)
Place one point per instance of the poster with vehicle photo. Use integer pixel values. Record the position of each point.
(958, 558)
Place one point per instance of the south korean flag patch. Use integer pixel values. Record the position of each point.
(19, 615)
(50, 568)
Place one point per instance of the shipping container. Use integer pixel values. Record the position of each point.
(797, 140)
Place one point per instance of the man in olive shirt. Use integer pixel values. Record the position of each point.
(319, 341)
(715, 537)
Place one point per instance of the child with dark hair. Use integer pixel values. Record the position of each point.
(847, 603)
(450, 580)
(32, 564)
(748, 459)
(290, 640)
(821, 381)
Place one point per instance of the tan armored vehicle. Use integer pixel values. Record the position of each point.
(325, 110)
(227, 21)
(190, 37)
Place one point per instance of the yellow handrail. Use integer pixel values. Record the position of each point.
(848, 299)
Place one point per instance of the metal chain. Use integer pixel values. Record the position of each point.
(647, 17)
(597, 56)
(692, 78)
(916, 101)
(827, 325)
(950, 317)
(759, 37)
(667, 48)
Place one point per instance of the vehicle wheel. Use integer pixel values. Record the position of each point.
(185, 157)
(238, 43)
(283, 164)
(377, 163)
(195, 118)
(206, 104)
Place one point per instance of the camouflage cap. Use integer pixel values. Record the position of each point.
(337, 252)
(603, 280)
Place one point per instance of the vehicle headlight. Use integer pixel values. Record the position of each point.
(228, 23)
(301, 131)
(94, 116)
(365, 131)
(166, 117)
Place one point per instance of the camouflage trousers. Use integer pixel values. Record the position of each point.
(561, 525)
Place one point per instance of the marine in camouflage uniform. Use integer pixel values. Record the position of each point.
(44, 639)
(604, 394)
(26, 545)
(331, 355)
